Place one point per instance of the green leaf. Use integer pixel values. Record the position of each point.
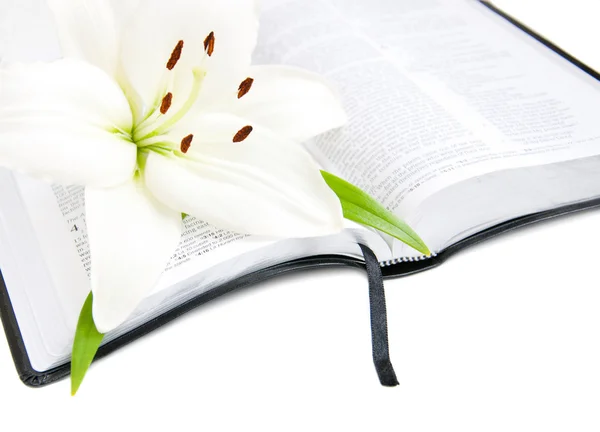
(86, 344)
(183, 216)
(358, 206)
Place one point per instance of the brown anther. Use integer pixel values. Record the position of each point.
(175, 55)
(245, 87)
(186, 143)
(209, 44)
(166, 103)
(243, 134)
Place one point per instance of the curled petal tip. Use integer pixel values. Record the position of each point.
(106, 319)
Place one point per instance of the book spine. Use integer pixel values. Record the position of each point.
(395, 261)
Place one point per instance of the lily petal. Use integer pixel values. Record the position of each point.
(58, 121)
(132, 237)
(151, 37)
(264, 185)
(293, 102)
(123, 11)
(88, 31)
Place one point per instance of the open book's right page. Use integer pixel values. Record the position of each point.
(438, 91)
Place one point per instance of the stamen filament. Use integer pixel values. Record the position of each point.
(165, 151)
(157, 140)
(142, 155)
(149, 122)
(165, 85)
(122, 133)
(199, 76)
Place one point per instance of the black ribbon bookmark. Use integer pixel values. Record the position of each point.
(379, 331)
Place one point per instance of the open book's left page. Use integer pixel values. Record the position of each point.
(44, 237)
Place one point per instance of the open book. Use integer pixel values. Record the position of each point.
(461, 123)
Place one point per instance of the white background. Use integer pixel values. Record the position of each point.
(504, 336)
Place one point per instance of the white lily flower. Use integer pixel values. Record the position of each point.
(157, 111)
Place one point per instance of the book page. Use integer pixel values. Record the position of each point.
(45, 261)
(438, 91)
(54, 217)
(57, 215)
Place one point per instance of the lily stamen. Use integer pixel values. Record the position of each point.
(209, 44)
(175, 56)
(186, 143)
(243, 134)
(166, 103)
(163, 105)
(166, 84)
(144, 134)
(245, 87)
